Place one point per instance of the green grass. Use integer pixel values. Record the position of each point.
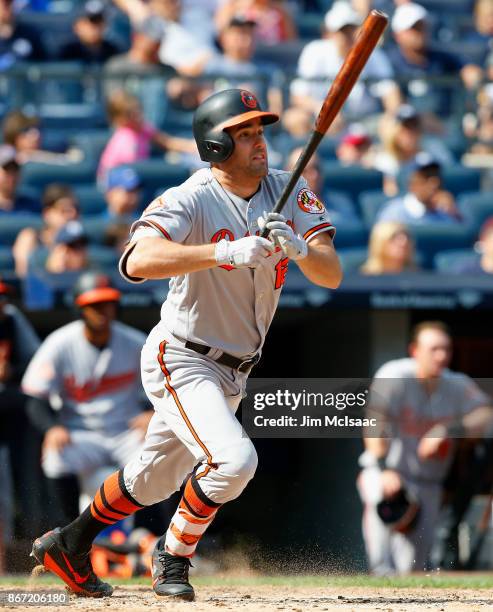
(445, 581)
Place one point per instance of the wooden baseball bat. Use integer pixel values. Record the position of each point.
(368, 37)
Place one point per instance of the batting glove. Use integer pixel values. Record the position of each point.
(248, 252)
(294, 246)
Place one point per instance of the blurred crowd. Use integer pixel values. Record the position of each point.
(103, 123)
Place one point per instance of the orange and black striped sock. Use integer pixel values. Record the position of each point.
(111, 504)
(194, 514)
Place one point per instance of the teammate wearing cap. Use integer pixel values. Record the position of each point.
(224, 288)
(92, 366)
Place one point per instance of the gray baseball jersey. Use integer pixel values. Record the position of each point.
(411, 412)
(226, 308)
(100, 389)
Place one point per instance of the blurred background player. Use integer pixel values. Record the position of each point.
(421, 407)
(92, 367)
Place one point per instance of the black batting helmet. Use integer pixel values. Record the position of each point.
(220, 111)
(94, 288)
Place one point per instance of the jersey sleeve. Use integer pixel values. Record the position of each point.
(472, 396)
(43, 374)
(165, 217)
(385, 393)
(309, 215)
(168, 216)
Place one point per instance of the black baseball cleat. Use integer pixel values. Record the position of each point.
(170, 574)
(75, 570)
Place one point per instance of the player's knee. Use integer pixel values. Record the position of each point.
(241, 462)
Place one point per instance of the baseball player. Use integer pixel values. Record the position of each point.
(90, 367)
(224, 289)
(422, 407)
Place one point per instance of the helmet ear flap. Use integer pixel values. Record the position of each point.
(218, 149)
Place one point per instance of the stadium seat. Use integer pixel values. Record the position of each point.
(449, 260)
(6, 260)
(456, 179)
(309, 26)
(352, 180)
(39, 175)
(352, 258)
(11, 225)
(284, 55)
(95, 227)
(370, 202)
(100, 257)
(351, 234)
(103, 257)
(91, 199)
(55, 28)
(156, 174)
(73, 118)
(341, 202)
(476, 207)
(430, 239)
(91, 143)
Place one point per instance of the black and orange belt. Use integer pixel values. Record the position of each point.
(242, 365)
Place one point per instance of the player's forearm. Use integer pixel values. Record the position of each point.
(155, 258)
(321, 266)
(478, 423)
(378, 447)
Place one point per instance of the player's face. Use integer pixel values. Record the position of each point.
(432, 352)
(98, 317)
(250, 152)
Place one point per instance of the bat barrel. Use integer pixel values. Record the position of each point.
(368, 37)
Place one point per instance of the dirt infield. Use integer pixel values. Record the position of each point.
(287, 594)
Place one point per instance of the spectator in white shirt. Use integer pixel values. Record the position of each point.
(180, 47)
(321, 59)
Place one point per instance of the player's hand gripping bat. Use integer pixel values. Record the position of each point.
(341, 87)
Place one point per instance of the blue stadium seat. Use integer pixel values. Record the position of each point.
(73, 118)
(284, 143)
(55, 28)
(456, 179)
(370, 202)
(91, 143)
(100, 257)
(352, 180)
(156, 174)
(341, 202)
(103, 257)
(39, 175)
(11, 225)
(309, 26)
(284, 55)
(95, 228)
(449, 260)
(476, 207)
(351, 234)
(432, 239)
(6, 260)
(352, 258)
(91, 199)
